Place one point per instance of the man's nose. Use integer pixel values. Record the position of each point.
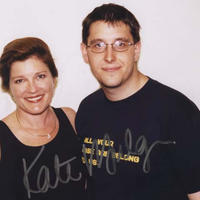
(109, 53)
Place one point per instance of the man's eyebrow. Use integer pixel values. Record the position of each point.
(95, 41)
(101, 40)
(123, 39)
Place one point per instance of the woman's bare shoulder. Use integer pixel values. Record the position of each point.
(10, 120)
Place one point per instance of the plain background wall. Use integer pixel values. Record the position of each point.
(170, 42)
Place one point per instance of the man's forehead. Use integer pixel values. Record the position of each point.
(103, 28)
(109, 23)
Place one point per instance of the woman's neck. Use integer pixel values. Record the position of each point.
(35, 121)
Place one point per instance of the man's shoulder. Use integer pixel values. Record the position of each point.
(88, 105)
(93, 98)
(173, 97)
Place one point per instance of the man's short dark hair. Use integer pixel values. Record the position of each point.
(21, 49)
(111, 13)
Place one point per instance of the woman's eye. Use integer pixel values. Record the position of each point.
(18, 81)
(41, 76)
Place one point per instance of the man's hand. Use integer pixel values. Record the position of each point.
(194, 196)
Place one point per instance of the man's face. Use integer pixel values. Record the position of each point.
(111, 68)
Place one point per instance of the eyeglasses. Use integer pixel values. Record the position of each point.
(118, 45)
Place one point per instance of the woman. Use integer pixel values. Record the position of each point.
(40, 153)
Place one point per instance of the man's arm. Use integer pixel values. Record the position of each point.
(194, 196)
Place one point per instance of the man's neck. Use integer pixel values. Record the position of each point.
(126, 90)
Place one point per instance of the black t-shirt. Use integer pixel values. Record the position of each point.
(143, 147)
(49, 172)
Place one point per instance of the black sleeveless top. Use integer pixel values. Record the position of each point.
(52, 171)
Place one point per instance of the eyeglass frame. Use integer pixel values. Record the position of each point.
(112, 44)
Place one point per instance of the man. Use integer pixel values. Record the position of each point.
(141, 138)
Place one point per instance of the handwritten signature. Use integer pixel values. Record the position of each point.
(141, 147)
(44, 170)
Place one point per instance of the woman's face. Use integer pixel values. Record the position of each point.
(31, 85)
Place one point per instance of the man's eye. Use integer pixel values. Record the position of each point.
(99, 45)
(120, 43)
(18, 81)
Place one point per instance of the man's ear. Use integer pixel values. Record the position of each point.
(84, 52)
(137, 48)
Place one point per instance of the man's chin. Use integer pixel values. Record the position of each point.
(110, 86)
